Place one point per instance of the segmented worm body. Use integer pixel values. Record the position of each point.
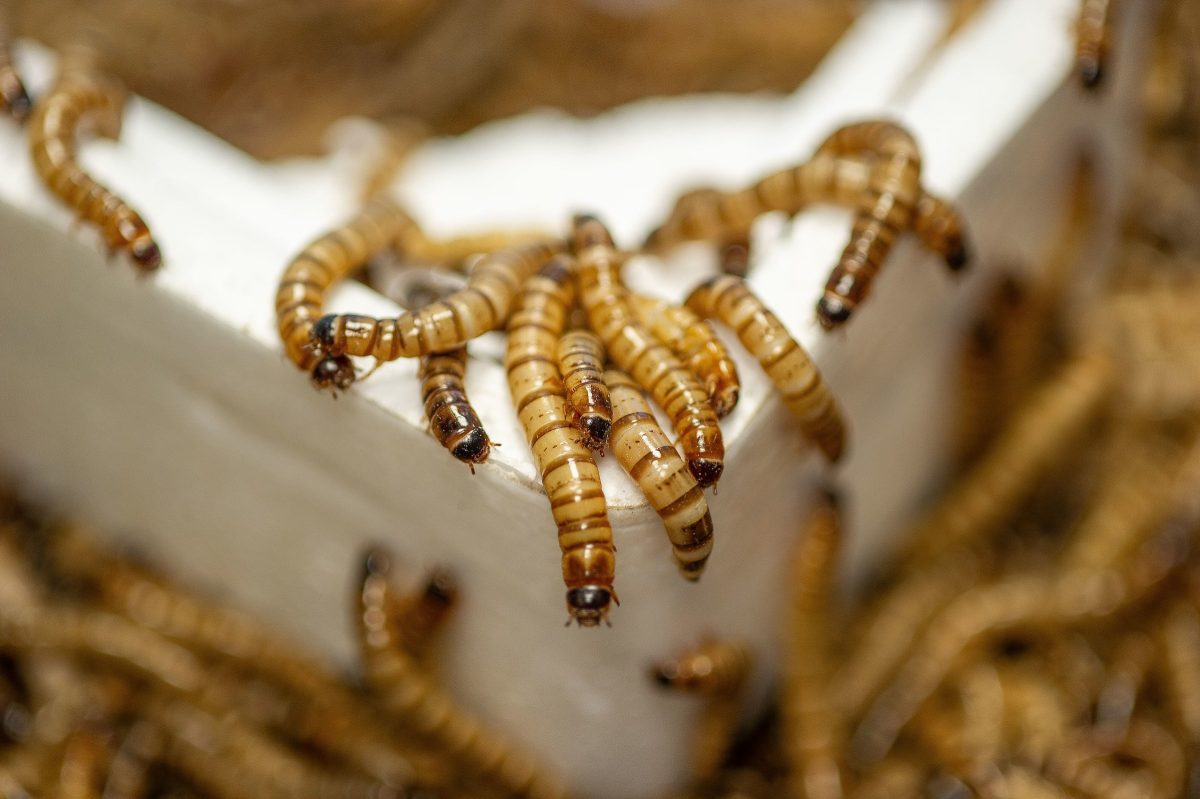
(804, 390)
(893, 190)
(813, 733)
(14, 100)
(695, 343)
(1093, 41)
(719, 671)
(482, 305)
(417, 704)
(637, 352)
(453, 421)
(581, 363)
(79, 98)
(725, 217)
(567, 468)
(645, 452)
(300, 299)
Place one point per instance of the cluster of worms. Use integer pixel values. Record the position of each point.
(586, 356)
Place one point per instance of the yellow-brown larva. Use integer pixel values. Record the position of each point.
(85, 98)
(1178, 637)
(1055, 414)
(696, 343)
(415, 703)
(418, 616)
(638, 353)
(566, 465)
(14, 99)
(804, 390)
(813, 729)
(1093, 40)
(300, 299)
(894, 188)
(482, 305)
(645, 452)
(453, 421)
(581, 363)
(725, 217)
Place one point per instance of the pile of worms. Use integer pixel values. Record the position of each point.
(1035, 634)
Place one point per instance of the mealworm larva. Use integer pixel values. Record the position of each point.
(638, 353)
(482, 305)
(300, 299)
(580, 358)
(565, 464)
(696, 343)
(894, 186)
(718, 670)
(418, 616)
(734, 257)
(813, 731)
(1059, 411)
(14, 99)
(85, 97)
(453, 421)
(1179, 643)
(1093, 41)
(1147, 764)
(84, 760)
(804, 390)
(417, 704)
(645, 452)
(725, 217)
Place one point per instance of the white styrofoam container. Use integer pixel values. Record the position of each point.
(163, 409)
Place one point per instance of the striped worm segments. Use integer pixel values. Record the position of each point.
(85, 97)
(637, 352)
(813, 733)
(567, 468)
(718, 670)
(381, 225)
(1093, 40)
(581, 362)
(893, 189)
(14, 100)
(1054, 415)
(726, 217)
(804, 390)
(645, 452)
(453, 421)
(694, 341)
(417, 704)
(480, 306)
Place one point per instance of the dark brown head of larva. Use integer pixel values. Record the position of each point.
(596, 428)
(14, 97)
(441, 588)
(129, 233)
(474, 447)
(589, 605)
(832, 312)
(334, 373)
(588, 231)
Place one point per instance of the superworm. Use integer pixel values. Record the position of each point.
(638, 353)
(804, 390)
(417, 704)
(564, 462)
(646, 454)
(1055, 414)
(580, 358)
(14, 99)
(334, 256)
(725, 217)
(694, 341)
(482, 305)
(813, 732)
(718, 670)
(453, 421)
(894, 188)
(82, 97)
(419, 615)
(1093, 41)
